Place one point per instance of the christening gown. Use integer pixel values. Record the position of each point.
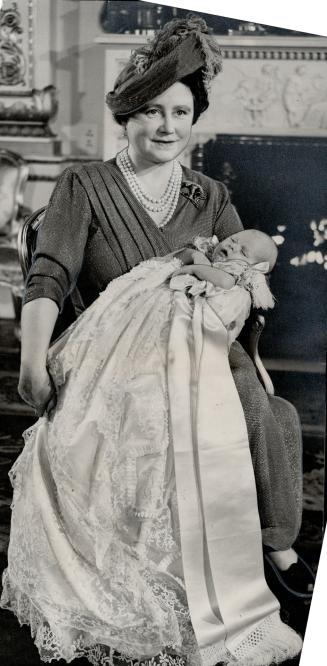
(135, 527)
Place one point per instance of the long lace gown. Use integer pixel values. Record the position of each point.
(135, 526)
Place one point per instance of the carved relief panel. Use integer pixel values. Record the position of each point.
(271, 86)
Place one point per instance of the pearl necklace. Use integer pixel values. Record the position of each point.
(167, 202)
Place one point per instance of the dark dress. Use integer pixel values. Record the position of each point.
(95, 230)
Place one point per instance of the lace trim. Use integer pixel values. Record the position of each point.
(64, 638)
(271, 642)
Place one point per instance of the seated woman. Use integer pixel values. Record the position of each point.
(103, 219)
(140, 483)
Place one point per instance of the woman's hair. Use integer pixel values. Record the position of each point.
(200, 95)
(195, 83)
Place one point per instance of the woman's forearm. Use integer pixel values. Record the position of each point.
(37, 323)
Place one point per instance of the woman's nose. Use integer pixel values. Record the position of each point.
(167, 125)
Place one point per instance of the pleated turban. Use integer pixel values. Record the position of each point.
(183, 47)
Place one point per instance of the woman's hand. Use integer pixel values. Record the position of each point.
(189, 256)
(36, 389)
(200, 258)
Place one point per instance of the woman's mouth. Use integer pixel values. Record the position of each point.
(163, 143)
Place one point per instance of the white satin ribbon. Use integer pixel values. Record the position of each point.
(220, 528)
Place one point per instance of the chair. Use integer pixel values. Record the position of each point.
(13, 176)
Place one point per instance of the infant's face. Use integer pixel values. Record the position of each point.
(249, 245)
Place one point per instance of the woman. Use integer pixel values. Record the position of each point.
(104, 219)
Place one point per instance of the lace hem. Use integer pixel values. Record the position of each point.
(55, 640)
(272, 642)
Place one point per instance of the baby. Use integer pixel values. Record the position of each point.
(223, 263)
(242, 259)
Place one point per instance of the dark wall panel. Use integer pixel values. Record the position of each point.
(276, 181)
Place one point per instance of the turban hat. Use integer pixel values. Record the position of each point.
(181, 48)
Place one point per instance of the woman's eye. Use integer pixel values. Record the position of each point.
(181, 112)
(151, 112)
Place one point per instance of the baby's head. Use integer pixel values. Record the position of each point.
(251, 245)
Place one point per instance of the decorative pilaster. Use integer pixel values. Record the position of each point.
(25, 108)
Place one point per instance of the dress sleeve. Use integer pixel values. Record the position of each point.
(61, 240)
(227, 221)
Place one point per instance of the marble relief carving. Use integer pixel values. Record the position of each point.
(305, 98)
(281, 98)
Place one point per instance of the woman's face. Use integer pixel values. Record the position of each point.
(162, 128)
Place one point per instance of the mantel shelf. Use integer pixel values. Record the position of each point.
(227, 41)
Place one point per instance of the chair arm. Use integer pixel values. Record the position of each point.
(257, 325)
(26, 238)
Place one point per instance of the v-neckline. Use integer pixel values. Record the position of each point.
(138, 205)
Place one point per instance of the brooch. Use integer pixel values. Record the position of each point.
(193, 192)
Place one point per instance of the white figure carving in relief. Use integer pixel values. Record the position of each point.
(257, 93)
(305, 99)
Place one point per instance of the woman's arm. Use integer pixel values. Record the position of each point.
(37, 324)
(57, 260)
(61, 241)
(214, 275)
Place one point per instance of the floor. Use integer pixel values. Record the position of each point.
(16, 646)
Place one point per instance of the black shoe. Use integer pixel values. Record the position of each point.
(298, 580)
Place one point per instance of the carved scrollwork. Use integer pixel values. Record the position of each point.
(28, 114)
(12, 58)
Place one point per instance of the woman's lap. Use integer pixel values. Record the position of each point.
(275, 443)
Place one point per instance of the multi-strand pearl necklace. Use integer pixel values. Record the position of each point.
(167, 202)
